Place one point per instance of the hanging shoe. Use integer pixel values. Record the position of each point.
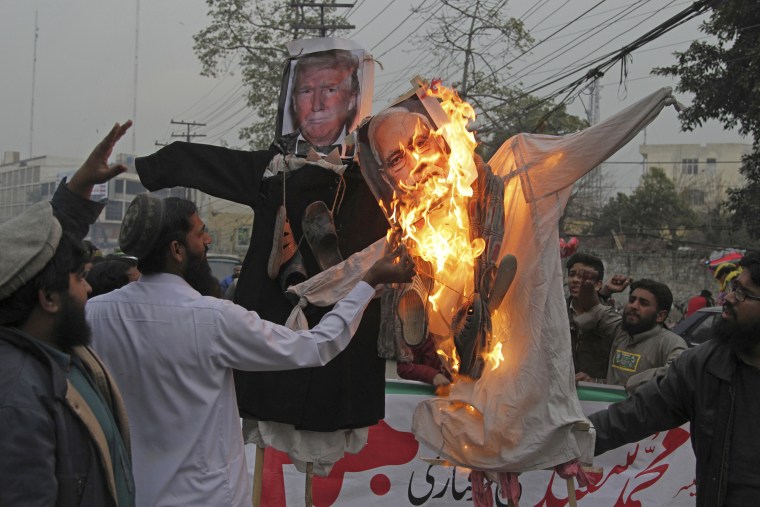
(293, 272)
(319, 231)
(283, 244)
(505, 275)
(411, 309)
(470, 337)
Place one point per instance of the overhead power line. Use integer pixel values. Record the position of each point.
(605, 62)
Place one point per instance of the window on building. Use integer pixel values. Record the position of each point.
(134, 188)
(47, 189)
(689, 166)
(696, 197)
(243, 236)
(711, 166)
(118, 186)
(114, 210)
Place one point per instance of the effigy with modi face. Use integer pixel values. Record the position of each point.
(489, 278)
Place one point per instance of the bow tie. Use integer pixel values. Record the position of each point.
(303, 147)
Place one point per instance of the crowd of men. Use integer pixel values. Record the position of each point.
(64, 436)
(129, 398)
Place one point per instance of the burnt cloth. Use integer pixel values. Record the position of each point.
(349, 391)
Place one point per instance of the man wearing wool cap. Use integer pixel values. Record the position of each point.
(173, 352)
(63, 431)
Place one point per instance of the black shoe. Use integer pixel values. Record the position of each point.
(319, 231)
(505, 275)
(470, 337)
(292, 273)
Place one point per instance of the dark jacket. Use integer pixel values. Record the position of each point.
(591, 340)
(697, 388)
(52, 449)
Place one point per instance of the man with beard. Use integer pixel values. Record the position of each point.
(174, 351)
(64, 439)
(642, 348)
(406, 151)
(714, 387)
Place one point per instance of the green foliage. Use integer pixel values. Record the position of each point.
(654, 208)
(723, 74)
(744, 203)
(252, 35)
(524, 113)
(475, 41)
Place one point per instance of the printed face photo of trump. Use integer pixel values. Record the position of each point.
(322, 99)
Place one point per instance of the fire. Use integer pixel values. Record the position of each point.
(495, 356)
(432, 212)
(452, 360)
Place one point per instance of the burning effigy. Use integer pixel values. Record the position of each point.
(489, 277)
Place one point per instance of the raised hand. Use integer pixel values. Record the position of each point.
(587, 296)
(95, 169)
(616, 284)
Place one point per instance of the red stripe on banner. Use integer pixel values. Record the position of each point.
(385, 447)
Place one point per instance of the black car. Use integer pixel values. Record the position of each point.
(697, 327)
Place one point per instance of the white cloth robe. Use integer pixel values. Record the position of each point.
(523, 413)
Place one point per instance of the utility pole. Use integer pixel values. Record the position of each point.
(188, 136)
(134, 84)
(189, 194)
(590, 185)
(34, 79)
(321, 27)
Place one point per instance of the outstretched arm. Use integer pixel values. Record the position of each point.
(235, 175)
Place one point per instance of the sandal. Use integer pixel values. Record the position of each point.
(283, 244)
(470, 337)
(319, 231)
(411, 308)
(505, 275)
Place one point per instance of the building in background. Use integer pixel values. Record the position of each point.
(24, 182)
(703, 172)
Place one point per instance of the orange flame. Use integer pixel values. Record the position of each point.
(432, 212)
(495, 357)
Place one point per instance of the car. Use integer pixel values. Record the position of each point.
(697, 328)
(222, 265)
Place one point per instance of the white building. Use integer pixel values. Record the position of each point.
(25, 182)
(703, 171)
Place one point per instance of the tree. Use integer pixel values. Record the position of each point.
(654, 208)
(475, 43)
(723, 73)
(255, 32)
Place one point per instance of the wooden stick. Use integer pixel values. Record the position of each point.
(571, 500)
(309, 477)
(258, 474)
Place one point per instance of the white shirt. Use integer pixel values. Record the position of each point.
(172, 352)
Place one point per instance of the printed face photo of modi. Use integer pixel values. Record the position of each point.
(324, 95)
(405, 149)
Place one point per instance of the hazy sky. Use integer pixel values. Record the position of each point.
(85, 70)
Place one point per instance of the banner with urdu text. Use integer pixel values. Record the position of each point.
(392, 471)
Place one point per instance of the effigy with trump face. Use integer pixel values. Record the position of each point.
(486, 304)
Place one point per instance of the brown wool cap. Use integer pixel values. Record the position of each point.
(31, 239)
(141, 225)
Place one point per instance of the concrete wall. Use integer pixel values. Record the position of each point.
(680, 270)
